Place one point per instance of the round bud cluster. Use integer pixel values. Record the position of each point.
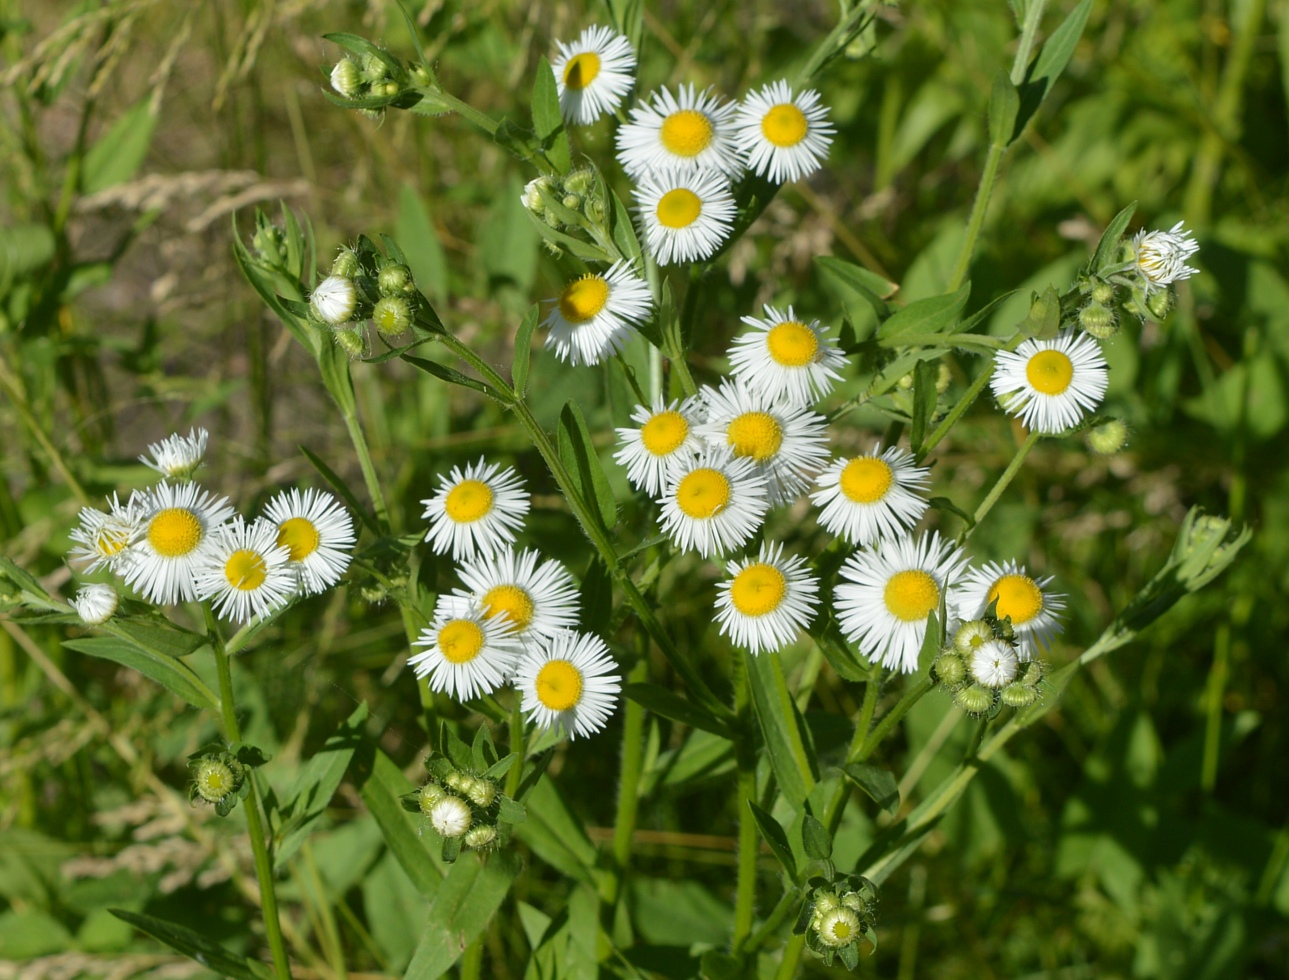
(214, 778)
(981, 668)
(838, 919)
(566, 202)
(1099, 320)
(461, 806)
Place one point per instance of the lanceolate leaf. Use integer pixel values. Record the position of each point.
(1051, 62)
(662, 701)
(207, 952)
(172, 674)
(523, 350)
(577, 453)
(933, 315)
(790, 759)
(381, 784)
(775, 836)
(877, 783)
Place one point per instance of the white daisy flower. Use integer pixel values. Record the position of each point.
(1051, 384)
(467, 654)
(177, 531)
(247, 573)
(95, 604)
(537, 601)
(682, 132)
(597, 314)
(318, 534)
(1034, 611)
(1161, 256)
(177, 456)
(767, 602)
(334, 300)
(787, 444)
(666, 437)
(993, 664)
(785, 137)
(593, 74)
(571, 684)
(476, 511)
(878, 495)
(713, 503)
(786, 358)
(103, 538)
(886, 596)
(686, 217)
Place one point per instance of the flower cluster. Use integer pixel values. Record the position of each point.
(221, 774)
(838, 919)
(346, 298)
(176, 542)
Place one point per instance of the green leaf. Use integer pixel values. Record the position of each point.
(597, 598)
(166, 641)
(577, 453)
(451, 376)
(791, 761)
(623, 230)
(933, 315)
(424, 253)
(22, 578)
(1004, 104)
(341, 487)
(662, 701)
(524, 350)
(23, 249)
(879, 784)
(548, 121)
(556, 834)
(871, 287)
(381, 783)
(208, 953)
(174, 675)
(815, 839)
(775, 836)
(1050, 63)
(1109, 243)
(925, 398)
(119, 152)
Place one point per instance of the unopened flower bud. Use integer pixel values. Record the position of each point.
(456, 781)
(421, 76)
(1103, 293)
(393, 280)
(1099, 321)
(838, 927)
(345, 264)
(854, 901)
(825, 902)
(480, 836)
(450, 816)
(353, 344)
(373, 69)
(95, 604)
(481, 792)
(943, 378)
(268, 243)
(1108, 438)
(994, 664)
(906, 383)
(430, 794)
(1018, 696)
(579, 181)
(971, 635)
(1160, 303)
(392, 315)
(390, 88)
(375, 115)
(334, 300)
(974, 700)
(347, 79)
(571, 201)
(950, 669)
(214, 780)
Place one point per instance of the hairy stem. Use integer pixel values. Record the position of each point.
(745, 759)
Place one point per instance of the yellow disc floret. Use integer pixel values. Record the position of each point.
(866, 479)
(758, 589)
(755, 434)
(300, 536)
(791, 343)
(559, 685)
(468, 501)
(110, 541)
(663, 434)
(175, 532)
(679, 208)
(583, 299)
(703, 493)
(510, 601)
(460, 640)
(911, 595)
(581, 70)
(245, 570)
(686, 133)
(1049, 372)
(1018, 597)
(784, 125)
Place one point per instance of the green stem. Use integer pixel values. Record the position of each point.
(472, 961)
(785, 907)
(628, 788)
(791, 957)
(463, 109)
(370, 478)
(1028, 38)
(955, 413)
(837, 805)
(893, 717)
(254, 826)
(517, 744)
(1008, 475)
(977, 219)
(745, 757)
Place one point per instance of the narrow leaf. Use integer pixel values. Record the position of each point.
(578, 455)
(207, 952)
(548, 121)
(166, 641)
(661, 701)
(1004, 103)
(341, 487)
(472, 891)
(424, 253)
(1109, 242)
(879, 784)
(523, 350)
(119, 152)
(933, 315)
(451, 376)
(174, 675)
(775, 836)
(1050, 63)
(381, 784)
(925, 397)
(815, 839)
(792, 763)
(869, 286)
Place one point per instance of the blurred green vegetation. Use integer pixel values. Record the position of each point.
(1140, 831)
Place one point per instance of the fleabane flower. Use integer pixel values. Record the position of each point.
(1034, 610)
(766, 602)
(786, 358)
(786, 443)
(784, 136)
(476, 511)
(245, 572)
(102, 540)
(877, 495)
(685, 216)
(886, 596)
(684, 132)
(1160, 256)
(175, 534)
(318, 534)
(666, 437)
(596, 315)
(593, 74)
(177, 456)
(993, 664)
(713, 503)
(537, 601)
(466, 655)
(334, 300)
(1051, 384)
(95, 604)
(571, 683)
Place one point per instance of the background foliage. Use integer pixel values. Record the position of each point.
(1139, 831)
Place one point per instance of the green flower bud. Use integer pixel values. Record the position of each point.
(837, 928)
(214, 780)
(345, 264)
(571, 201)
(390, 88)
(1099, 321)
(393, 280)
(826, 902)
(352, 342)
(1103, 293)
(481, 792)
(421, 76)
(974, 700)
(1160, 303)
(971, 636)
(480, 836)
(950, 670)
(430, 794)
(392, 315)
(374, 70)
(1108, 438)
(905, 383)
(456, 781)
(375, 115)
(347, 79)
(1017, 695)
(579, 181)
(269, 243)
(943, 378)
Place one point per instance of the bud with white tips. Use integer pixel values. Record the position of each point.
(334, 301)
(346, 79)
(95, 604)
(450, 816)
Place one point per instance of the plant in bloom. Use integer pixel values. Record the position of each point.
(785, 358)
(766, 602)
(103, 538)
(245, 573)
(1160, 256)
(686, 216)
(570, 683)
(1051, 384)
(596, 315)
(784, 136)
(176, 456)
(1034, 611)
(476, 511)
(177, 533)
(681, 132)
(713, 503)
(666, 437)
(318, 534)
(467, 654)
(537, 601)
(593, 75)
(876, 495)
(334, 300)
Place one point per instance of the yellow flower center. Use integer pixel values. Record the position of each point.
(510, 601)
(245, 570)
(755, 434)
(174, 532)
(792, 344)
(468, 501)
(583, 299)
(841, 932)
(679, 208)
(110, 541)
(686, 133)
(866, 479)
(703, 493)
(460, 641)
(663, 434)
(1018, 597)
(300, 536)
(559, 685)
(784, 125)
(911, 595)
(758, 589)
(581, 69)
(1049, 372)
